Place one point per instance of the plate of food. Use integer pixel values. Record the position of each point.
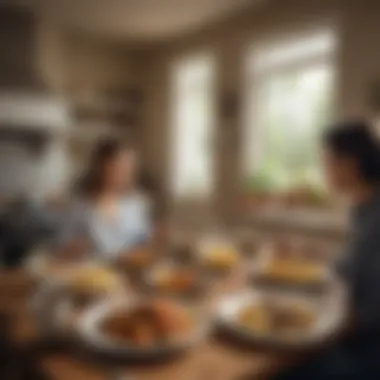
(93, 279)
(52, 311)
(217, 255)
(174, 279)
(141, 329)
(56, 300)
(47, 267)
(280, 264)
(278, 320)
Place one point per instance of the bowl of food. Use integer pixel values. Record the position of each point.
(56, 303)
(92, 280)
(294, 272)
(218, 255)
(141, 330)
(281, 321)
(174, 279)
(52, 310)
(286, 266)
(47, 267)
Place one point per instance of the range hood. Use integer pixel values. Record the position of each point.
(25, 102)
(33, 122)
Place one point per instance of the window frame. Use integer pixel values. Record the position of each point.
(254, 82)
(173, 138)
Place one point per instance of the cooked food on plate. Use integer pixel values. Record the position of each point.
(219, 255)
(93, 279)
(293, 271)
(221, 258)
(274, 317)
(172, 279)
(292, 261)
(149, 324)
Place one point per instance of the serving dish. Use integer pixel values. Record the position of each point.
(173, 278)
(217, 255)
(44, 266)
(93, 336)
(318, 320)
(279, 269)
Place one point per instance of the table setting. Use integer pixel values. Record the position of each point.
(164, 309)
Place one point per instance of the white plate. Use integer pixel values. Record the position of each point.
(330, 314)
(51, 310)
(93, 338)
(54, 306)
(39, 266)
(265, 258)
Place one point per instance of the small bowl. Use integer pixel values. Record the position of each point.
(195, 288)
(45, 268)
(216, 265)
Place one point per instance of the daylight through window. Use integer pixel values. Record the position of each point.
(192, 129)
(289, 99)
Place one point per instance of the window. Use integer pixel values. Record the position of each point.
(192, 130)
(289, 98)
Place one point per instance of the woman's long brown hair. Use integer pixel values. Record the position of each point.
(91, 182)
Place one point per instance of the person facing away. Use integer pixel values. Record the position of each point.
(351, 160)
(111, 216)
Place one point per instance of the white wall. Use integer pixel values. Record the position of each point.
(22, 170)
(18, 169)
(38, 175)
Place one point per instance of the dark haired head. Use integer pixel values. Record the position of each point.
(103, 159)
(105, 152)
(356, 141)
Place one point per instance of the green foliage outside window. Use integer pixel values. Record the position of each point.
(293, 107)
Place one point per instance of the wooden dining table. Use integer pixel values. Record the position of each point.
(217, 357)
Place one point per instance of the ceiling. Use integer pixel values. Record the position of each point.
(140, 20)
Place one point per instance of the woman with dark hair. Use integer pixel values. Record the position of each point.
(111, 215)
(352, 167)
